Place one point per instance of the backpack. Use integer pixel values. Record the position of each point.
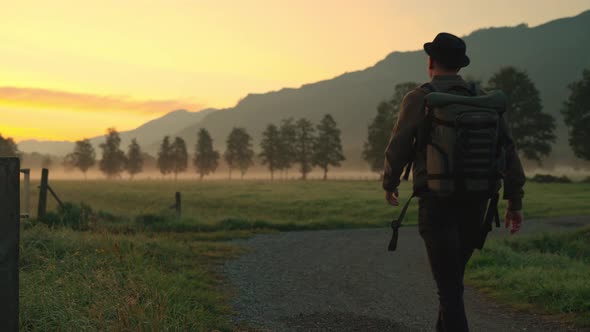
(458, 150)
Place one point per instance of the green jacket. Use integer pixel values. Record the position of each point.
(401, 144)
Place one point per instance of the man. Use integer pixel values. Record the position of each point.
(451, 227)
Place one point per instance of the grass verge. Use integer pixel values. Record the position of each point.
(106, 282)
(543, 272)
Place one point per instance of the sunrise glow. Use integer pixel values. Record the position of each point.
(70, 69)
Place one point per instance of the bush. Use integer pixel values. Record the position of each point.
(150, 219)
(71, 215)
(548, 178)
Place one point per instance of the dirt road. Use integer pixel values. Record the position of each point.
(345, 280)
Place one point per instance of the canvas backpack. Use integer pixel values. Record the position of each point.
(459, 149)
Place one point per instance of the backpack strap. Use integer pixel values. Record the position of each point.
(492, 215)
(397, 223)
(428, 87)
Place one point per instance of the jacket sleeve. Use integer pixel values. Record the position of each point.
(401, 143)
(514, 177)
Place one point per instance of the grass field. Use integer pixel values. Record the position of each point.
(162, 272)
(285, 205)
(83, 281)
(544, 272)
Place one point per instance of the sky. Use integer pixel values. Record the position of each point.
(69, 69)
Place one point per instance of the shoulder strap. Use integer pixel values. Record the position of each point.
(396, 224)
(428, 87)
(473, 86)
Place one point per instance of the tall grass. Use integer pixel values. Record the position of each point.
(547, 271)
(80, 281)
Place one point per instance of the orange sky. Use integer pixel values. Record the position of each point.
(69, 69)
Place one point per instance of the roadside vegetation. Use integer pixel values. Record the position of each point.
(96, 281)
(116, 257)
(545, 272)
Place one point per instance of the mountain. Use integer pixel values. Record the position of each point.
(146, 134)
(554, 54)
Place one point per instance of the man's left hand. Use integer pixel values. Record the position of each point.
(513, 220)
(391, 198)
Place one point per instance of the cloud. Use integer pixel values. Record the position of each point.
(45, 98)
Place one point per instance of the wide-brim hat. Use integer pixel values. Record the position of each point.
(449, 50)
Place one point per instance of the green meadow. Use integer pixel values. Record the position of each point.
(283, 204)
(132, 265)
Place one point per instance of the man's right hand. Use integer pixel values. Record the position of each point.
(391, 198)
(513, 220)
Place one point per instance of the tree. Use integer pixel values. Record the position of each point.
(83, 156)
(149, 162)
(206, 158)
(287, 134)
(576, 112)
(46, 162)
(270, 145)
(113, 158)
(532, 130)
(304, 141)
(8, 147)
(164, 156)
(327, 150)
(239, 153)
(380, 129)
(178, 157)
(134, 163)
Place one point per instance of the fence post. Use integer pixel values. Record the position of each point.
(177, 206)
(27, 182)
(42, 208)
(9, 242)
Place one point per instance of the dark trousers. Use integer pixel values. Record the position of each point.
(451, 229)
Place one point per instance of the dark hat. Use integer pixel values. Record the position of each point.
(448, 49)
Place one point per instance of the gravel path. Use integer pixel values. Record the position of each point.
(345, 280)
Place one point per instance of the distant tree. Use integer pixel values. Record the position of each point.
(576, 112)
(270, 146)
(380, 129)
(206, 159)
(304, 142)
(46, 162)
(149, 162)
(165, 156)
(327, 150)
(532, 130)
(178, 157)
(68, 163)
(8, 147)
(113, 158)
(287, 134)
(83, 156)
(239, 153)
(134, 163)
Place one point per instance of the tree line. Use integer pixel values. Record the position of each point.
(532, 129)
(291, 143)
(301, 144)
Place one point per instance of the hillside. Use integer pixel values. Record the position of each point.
(146, 134)
(553, 54)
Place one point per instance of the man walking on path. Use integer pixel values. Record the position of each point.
(452, 216)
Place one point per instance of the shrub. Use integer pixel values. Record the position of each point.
(548, 178)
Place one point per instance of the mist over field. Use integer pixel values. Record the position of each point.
(219, 166)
